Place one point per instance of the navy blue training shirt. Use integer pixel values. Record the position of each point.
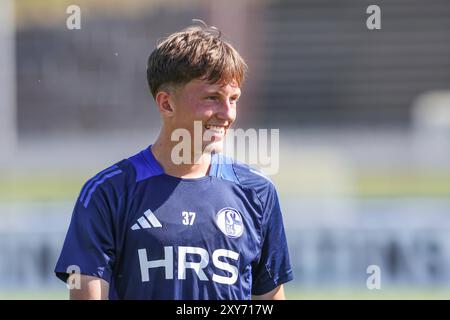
(154, 236)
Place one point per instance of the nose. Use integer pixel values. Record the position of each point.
(226, 111)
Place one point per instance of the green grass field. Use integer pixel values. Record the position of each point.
(57, 187)
(291, 294)
(403, 293)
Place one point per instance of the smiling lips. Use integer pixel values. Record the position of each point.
(215, 129)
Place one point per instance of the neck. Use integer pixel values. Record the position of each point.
(162, 151)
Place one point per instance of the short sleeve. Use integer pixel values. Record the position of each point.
(274, 267)
(89, 243)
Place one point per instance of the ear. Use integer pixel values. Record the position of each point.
(165, 103)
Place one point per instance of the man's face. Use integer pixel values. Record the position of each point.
(214, 105)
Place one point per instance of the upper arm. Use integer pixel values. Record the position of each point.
(272, 268)
(275, 294)
(90, 243)
(90, 288)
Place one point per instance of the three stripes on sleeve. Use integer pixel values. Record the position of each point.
(92, 184)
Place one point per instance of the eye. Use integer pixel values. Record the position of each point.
(212, 98)
(234, 99)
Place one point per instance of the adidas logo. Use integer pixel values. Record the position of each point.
(147, 221)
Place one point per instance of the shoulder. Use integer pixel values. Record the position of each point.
(244, 175)
(109, 183)
(251, 177)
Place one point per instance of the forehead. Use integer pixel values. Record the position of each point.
(203, 86)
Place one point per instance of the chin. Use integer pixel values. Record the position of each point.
(213, 147)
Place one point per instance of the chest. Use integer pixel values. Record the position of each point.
(205, 217)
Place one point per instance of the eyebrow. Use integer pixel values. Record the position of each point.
(221, 92)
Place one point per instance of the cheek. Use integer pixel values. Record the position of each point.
(204, 110)
(233, 114)
(189, 110)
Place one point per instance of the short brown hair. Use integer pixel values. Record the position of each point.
(195, 52)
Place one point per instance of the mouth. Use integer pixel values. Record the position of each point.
(216, 128)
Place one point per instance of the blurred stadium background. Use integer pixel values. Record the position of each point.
(364, 119)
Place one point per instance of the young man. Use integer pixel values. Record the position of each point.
(150, 227)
